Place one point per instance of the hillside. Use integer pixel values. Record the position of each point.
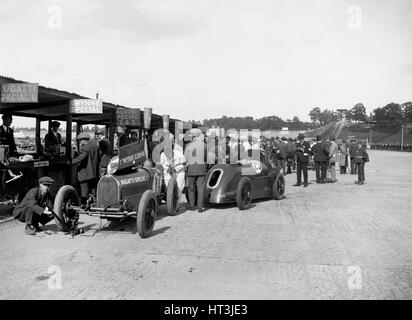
(389, 135)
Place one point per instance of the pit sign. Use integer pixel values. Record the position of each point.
(86, 106)
(19, 93)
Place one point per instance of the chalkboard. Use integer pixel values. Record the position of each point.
(127, 117)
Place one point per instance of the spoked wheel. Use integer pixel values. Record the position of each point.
(65, 199)
(244, 194)
(279, 187)
(146, 215)
(172, 200)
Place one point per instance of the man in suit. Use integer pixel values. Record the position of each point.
(282, 154)
(333, 157)
(34, 208)
(302, 154)
(105, 151)
(53, 139)
(352, 151)
(87, 166)
(196, 155)
(321, 155)
(290, 154)
(361, 157)
(7, 135)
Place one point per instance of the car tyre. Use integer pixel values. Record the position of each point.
(65, 197)
(278, 187)
(244, 193)
(172, 197)
(146, 214)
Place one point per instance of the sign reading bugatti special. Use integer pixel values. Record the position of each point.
(86, 106)
(19, 93)
(132, 155)
(128, 117)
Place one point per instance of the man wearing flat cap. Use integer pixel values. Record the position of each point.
(87, 166)
(105, 148)
(53, 139)
(303, 151)
(34, 208)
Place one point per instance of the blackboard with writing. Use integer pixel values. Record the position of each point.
(127, 117)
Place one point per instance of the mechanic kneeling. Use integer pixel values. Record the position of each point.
(35, 207)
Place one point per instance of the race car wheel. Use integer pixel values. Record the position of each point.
(65, 198)
(172, 200)
(278, 187)
(146, 215)
(244, 194)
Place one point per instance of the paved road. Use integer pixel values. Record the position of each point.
(339, 241)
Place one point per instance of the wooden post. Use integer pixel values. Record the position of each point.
(69, 125)
(112, 130)
(39, 148)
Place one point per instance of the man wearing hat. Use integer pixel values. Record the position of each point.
(282, 154)
(196, 159)
(53, 139)
(321, 152)
(105, 148)
(87, 166)
(34, 208)
(303, 152)
(7, 134)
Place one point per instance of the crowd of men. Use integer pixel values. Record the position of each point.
(324, 155)
(94, 155)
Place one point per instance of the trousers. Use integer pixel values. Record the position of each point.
(320, 167)
(353, 166)
(30, 217)
(196, 184)
(180, 179)
(302, 167)
(361, 171)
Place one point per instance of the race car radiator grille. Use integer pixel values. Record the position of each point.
(108, 191)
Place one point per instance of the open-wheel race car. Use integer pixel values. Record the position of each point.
(126, 191)
(243, 182)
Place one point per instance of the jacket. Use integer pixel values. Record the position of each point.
(321, 152)
(333, 152)
(303, 151)
(87, 162)
(361, 155)
(282, 153)
(51, 142)
(34, 200)
(343, 155)
(8, 140)
(196, 162)
(290, 149)
(352, 150)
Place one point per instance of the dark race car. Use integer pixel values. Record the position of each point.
(241, 183)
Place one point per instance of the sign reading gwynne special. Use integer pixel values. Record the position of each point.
(19, 93)
(86, 106)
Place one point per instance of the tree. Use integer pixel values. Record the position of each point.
(379, 116)
(407, 111)
(393, 113)
(315, 114)
(358, 112)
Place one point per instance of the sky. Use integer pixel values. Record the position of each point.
(202, 59)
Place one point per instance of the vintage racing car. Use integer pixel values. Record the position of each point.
(243, 182)
(128, 190)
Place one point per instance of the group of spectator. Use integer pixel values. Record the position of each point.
(391, 147)
(325, 155)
